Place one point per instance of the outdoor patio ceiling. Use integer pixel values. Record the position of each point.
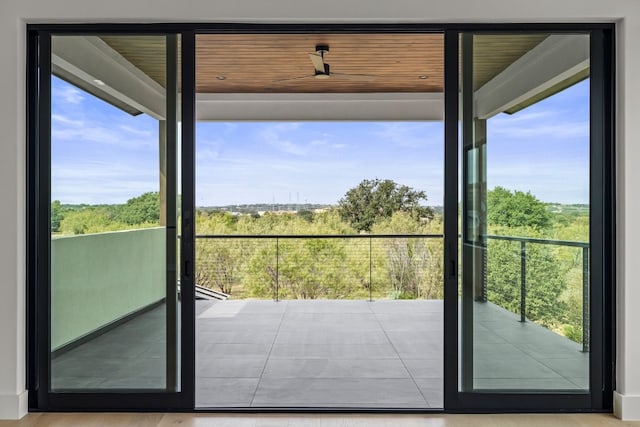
(263, 63)
(390, 76)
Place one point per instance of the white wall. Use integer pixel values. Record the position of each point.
(15, 13)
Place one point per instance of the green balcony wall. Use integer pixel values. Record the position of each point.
(97, 279)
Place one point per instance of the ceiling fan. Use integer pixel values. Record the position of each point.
(323, 71)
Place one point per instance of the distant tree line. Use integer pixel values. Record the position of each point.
(137, 212)
(390, 268)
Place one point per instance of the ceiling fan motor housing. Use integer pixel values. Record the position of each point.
(322, 48)
(326, 73)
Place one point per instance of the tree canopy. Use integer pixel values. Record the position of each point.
(56, 215)
(140, 210)
(375, 199)
(516, 209)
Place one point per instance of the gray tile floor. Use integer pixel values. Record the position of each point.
(325, 353)
(320, 353)
(129, 356)
(513, 355)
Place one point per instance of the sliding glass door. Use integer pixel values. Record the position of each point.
(109, 205)
(528, 213)
(531, 143)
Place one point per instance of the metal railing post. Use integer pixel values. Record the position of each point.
(585, 300)
(523, 280)
(484, 297)
(370, 271)
(277, 268)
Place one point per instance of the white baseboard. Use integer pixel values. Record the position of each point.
(627, 408)
(14, 406)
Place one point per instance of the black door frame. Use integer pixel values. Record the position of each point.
(38, 234)
(602, 367)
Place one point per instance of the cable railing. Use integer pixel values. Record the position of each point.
(355, 266)
(524, 242)
(324, 266)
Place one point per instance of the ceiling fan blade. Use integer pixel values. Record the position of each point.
(293, 78)
(318, 62)
(360, 77)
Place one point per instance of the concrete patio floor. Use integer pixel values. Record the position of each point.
(325, 353)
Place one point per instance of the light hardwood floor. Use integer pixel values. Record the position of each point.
(312, 420)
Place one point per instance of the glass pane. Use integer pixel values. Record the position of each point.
(113, 213)
(525, 212)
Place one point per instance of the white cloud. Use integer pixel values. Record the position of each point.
(261, 178)
(275, 135)
(543, 130)
(410, 135)
(68, 94)
(99, 154)
(326, 161)
(101, 181)
(66, 129)
(564, 181)
(206, 155)
(544, 124)
(532, 117)
(61, 119)
(136, 131)
(286, 138)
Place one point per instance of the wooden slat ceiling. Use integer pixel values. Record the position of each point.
(493, 53)
(148, 53)
(257, 63)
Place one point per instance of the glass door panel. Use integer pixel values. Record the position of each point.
(114, 305)
(525, 219)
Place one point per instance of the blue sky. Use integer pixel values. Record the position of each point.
(103, 155)
(99, 154)
(314, 162)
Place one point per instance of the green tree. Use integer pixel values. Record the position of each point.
(374, 199)
(303, 268)
(307, 215)
(57, 215)
(571, 260)
(89, 220)
(516, 209)
(219, 262)
(144, 209)
(413, 265)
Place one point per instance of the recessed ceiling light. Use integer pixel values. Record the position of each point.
(221, 77)
(98, 82)
(422, 77)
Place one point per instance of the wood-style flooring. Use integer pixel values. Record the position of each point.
(325, 420)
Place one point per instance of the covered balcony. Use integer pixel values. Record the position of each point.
(364, 352)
